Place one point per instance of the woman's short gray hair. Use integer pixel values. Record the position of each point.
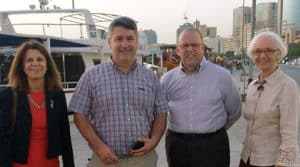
(274, 37)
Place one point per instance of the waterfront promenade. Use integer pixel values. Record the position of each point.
(236, 132)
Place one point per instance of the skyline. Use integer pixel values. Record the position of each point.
(164, 17)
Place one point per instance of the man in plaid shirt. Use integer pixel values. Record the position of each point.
(120, 102)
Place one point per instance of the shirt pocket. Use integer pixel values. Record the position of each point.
(143, 97)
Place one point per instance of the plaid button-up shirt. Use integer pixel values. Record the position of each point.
(121, 106)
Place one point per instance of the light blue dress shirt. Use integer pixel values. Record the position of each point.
(203, 101)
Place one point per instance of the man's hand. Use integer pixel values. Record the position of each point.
(148, 146)
(106, 155)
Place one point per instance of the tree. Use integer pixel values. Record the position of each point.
(229, 54)
(293, 50)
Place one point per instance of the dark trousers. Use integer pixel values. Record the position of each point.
(198, 150)
(243, 164)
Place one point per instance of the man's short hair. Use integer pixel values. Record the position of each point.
(192, 29)
(123, 21)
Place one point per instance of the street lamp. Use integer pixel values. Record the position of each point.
(73, 4)
(253, 21)
(279, 17)
(243, 95)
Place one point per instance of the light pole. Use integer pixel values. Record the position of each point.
(73, 4)
(279, 17)
(253, 21)
(243, 75)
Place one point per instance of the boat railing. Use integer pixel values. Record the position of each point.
(68, 87)
(62, 30)
(69, 84)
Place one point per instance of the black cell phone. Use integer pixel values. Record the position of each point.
(137, 145)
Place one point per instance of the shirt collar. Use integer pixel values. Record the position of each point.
(202, 63)
(273, 78)
(260, 82)
(117, 67)
(270, 80)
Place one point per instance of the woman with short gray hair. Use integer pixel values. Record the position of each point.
(271, 108)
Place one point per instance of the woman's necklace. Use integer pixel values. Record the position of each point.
(35, 104)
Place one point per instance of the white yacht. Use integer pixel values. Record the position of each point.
(76, 38)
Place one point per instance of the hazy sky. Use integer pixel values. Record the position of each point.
(163, 16)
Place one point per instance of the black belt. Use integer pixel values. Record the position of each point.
(195, 135)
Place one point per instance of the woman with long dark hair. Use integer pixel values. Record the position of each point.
(35, 130)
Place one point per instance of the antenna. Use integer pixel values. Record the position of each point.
(185, 17)
(73, 4)
(43, 4)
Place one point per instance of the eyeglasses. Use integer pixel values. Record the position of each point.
(266, 52)
(193, 45)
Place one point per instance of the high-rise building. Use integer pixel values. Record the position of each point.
(232, 44)
(266, 16)
(238, 19)
(279, 16)
(212, 32)
(151, 36)
(146, 37)
(246, 39)
(142, 39)
(181, 27)
(291, 14)
(216, 44)
(205, 31)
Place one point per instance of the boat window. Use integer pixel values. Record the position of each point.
(5, 62)
(96, 61)
(72, 68)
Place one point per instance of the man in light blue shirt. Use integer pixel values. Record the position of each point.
(204, 102)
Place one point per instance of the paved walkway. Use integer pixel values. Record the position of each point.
(82, 151)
